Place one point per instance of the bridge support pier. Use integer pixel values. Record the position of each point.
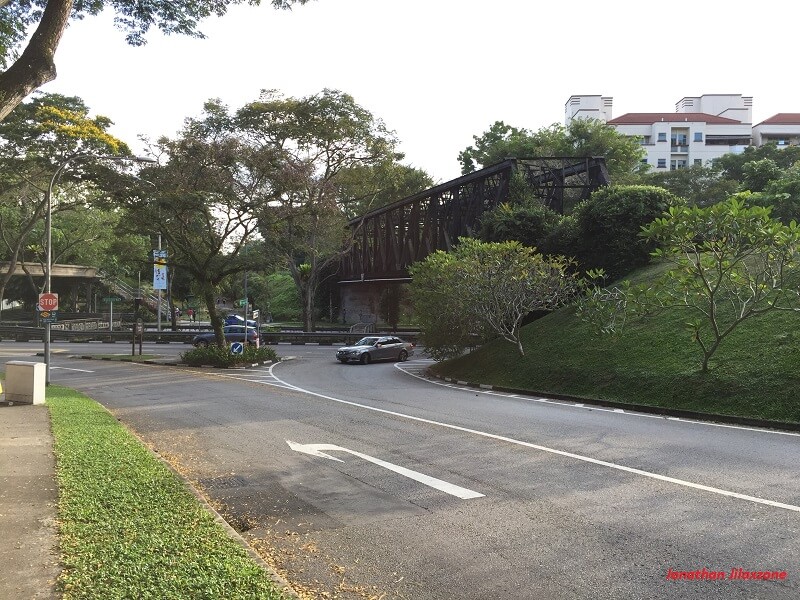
(377, 301)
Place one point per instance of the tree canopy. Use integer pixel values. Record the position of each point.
(582, 137)
(37, 137)
(30, 31)
(489, 289)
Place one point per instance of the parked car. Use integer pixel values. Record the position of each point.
(373, 347)
(239, 320)
(233, 333)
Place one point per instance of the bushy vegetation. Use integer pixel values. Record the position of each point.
(602, 233)
(609, 227)
(217, 356)
(489, 288)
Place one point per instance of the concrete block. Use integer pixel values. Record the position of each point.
(25, 382)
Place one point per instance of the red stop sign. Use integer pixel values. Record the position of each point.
(48, 301)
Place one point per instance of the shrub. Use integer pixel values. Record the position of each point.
(609, 225)
(216, 356)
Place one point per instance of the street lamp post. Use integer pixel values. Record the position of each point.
(48, 224)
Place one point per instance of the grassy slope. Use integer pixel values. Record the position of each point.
(128, 526)
(755, 373)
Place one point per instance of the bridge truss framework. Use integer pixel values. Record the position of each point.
(388, 240)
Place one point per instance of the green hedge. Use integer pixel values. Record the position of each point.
(223, 357)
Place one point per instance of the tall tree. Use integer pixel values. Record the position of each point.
(315, 140)
(582, 137)
(30, 31)
(202, 204)
(34, 140)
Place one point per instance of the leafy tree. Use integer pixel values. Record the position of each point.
(362, 188)
(783, 195)
(316, 141)
(203, 203)
(436, 284)
(609, 226)
(701, 185)
(732, 166)
(30, 31)
(34, 140)
(757, 174)
(497, 285)
(729, 263)
(582, 137)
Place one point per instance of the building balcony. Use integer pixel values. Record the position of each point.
(679, 149)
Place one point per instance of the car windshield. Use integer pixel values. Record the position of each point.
(367, 341)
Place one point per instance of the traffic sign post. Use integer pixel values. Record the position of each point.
(138, 332)
(237, 348)
(48, 302)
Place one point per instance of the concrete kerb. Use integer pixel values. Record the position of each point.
(642, 408)
(174, 363)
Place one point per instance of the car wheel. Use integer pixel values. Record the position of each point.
(403, 356)
(365, 358)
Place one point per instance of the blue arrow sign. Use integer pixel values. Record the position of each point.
(237, 348)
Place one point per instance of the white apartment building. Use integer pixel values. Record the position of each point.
(783, 129)
(701, 128)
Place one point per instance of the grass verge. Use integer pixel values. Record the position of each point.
(128, 526)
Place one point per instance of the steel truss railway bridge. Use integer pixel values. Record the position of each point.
(388, 240)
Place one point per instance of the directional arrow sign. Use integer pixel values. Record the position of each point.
(449, 488)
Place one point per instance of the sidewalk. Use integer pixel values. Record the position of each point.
(28, 499)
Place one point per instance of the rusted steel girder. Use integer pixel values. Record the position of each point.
(388, 240)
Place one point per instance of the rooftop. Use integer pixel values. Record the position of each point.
(671, 117)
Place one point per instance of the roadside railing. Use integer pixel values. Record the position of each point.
(33, 334)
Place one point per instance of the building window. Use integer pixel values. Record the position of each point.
(644, 161)
(662, 137)
(662, 163)
(698, 162)
(698, 136)
(677, 164)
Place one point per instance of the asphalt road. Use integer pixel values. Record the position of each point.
(424, 490)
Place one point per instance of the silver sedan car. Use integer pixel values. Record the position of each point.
(371, 348)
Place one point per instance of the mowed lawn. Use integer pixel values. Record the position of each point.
(755, 373)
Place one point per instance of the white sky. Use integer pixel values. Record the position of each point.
(440, 71)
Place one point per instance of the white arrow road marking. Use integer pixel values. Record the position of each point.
(572, 455)
(443, 486)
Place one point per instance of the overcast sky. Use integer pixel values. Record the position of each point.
(438, 72)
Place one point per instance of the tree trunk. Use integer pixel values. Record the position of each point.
(36, 65)
(210, 299)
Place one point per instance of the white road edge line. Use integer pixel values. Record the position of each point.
(69, 369)
(594, 461)
(597, 408)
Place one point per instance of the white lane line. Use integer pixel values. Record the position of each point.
(595, 408)
(255, 378)
(69, 369)
(572, 455)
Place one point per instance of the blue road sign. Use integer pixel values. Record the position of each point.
(237, 348)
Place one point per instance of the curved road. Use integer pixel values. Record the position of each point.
(374, 482)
